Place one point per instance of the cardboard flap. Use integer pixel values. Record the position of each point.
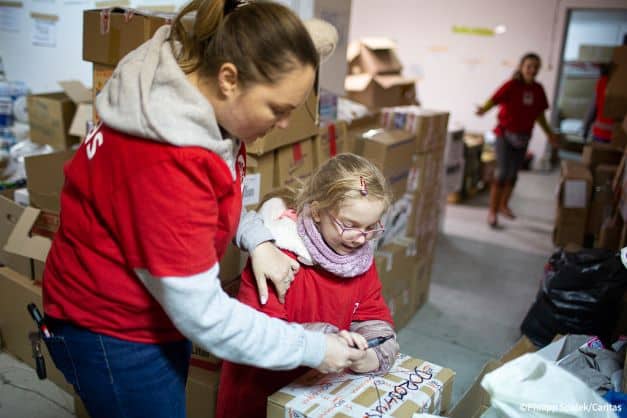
(20, 242)
(352, 51)
(388, 81)
(378, 43)
(357, 82)
(76, 91)
(83, 114)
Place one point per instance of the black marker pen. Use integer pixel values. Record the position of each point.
(373, 342)
(39, 320)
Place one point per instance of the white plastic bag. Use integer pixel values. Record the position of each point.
(530, 386)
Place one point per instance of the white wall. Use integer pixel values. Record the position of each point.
(459, 71)
(594, 28)
(41, 67)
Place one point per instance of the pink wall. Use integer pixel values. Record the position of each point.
(458, 71)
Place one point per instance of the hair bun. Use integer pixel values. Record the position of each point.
(230, 5)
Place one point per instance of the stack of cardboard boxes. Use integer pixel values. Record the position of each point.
(375, 78)
(588, 209)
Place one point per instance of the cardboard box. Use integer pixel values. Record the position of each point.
(110, 34)
(259, 178)
(46, 178)
(294, 163)
(390, 150)
(346, 395)
(332, 139)
(17, 291)
(476, 400)
(616, 91)
(377, 91)
(100, 75)
(602, 197)
(598, 153)
(10, 212)
(610, 234)
(50, 116)
(574, 195)
(596, 53)
(303, 124)
(202, 393)
(429, 126)
(397, 266)
(373, 56)
(619, 135)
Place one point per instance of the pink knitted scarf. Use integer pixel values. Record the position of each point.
(351, 265)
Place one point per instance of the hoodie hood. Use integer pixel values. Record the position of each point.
(149, 96)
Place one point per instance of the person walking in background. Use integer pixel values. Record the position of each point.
(522, 102)
(328, 226)
(602, 126)
(151, 200)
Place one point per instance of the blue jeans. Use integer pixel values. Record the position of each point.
(121, 379)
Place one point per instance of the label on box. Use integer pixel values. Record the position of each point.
(251, 189)
(575, 194)
(411, 386)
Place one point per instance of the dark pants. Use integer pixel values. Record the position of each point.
(121, 379)
(509, 159)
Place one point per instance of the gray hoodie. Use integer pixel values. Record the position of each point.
(149, 96)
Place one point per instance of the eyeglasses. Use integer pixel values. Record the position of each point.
(351, 234)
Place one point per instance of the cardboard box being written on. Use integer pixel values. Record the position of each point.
(59, 119)
(377, 91)
(427, 387)
(373, 56)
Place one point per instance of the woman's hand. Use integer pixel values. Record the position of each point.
(353, 339)
(268, 262)
(368, 363)
(338, 355)
(479, 111)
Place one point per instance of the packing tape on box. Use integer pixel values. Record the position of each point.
(411, 383)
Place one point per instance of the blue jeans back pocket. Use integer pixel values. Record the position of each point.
(62, 359)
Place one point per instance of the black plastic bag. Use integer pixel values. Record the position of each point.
(580, 294)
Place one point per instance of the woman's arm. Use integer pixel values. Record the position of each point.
(481, 110)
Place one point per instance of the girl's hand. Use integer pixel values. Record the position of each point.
(368, 363)
(268, 262)
(479, 111)
(354, 339)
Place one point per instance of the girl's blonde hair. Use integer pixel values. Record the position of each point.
(343, 177)
(263, 40)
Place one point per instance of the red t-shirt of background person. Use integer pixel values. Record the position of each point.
(520, 105)
(602, 126)
(314, 296)
(129, 203)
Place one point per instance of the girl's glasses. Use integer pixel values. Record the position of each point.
(351, 234)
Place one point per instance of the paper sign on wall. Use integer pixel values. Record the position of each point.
(10, 16)
(44, 29)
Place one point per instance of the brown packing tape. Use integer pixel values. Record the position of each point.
(16, 4)
(44, 16)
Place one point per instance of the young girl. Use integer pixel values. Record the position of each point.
(336, 289)
(522, 102)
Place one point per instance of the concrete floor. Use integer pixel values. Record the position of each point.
(483, 282)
